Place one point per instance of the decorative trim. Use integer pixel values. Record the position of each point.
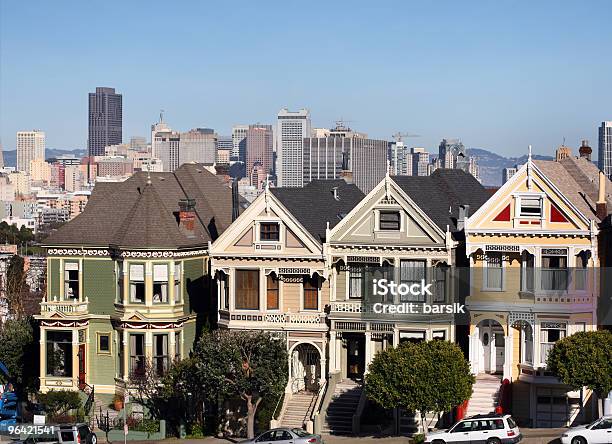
(66, 324)
(140, 254)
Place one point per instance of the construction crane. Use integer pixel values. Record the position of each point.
(399, 136)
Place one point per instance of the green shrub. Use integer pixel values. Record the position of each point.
(60, 402)
(418, 439)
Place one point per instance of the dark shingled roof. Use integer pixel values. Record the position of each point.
(135, 214)
(440, 194)
(314, 205)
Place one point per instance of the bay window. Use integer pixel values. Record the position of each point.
(412, 272)
(137, 284)
(550, 332)
(272, 290)
(527, 271)
(71, 280)
(311, 293)
(160, 353)
(247, 289)
(160, 283)
(59, 353)
(356, 281)
(554, 269)
(494, 272)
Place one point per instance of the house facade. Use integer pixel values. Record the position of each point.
(271, 272)
(127, 279)
(405, 231)
(534, 256)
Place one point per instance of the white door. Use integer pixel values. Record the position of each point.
(499, 344)
(485, 340)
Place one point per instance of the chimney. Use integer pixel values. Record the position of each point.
(602, 205)
(187, 216)
(585, 150)
(235, 207)
(464, 213)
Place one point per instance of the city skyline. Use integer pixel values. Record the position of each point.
(530, 86)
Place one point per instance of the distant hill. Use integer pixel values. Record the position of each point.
(10, 157)
(491, 164)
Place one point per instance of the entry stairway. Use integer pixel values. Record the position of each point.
(484, 394)
(298, 410)
(342, 407)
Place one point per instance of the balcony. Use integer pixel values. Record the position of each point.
(67, 308)
(275, 321)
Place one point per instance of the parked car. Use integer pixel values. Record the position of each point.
(75, 434)
(485, 429)
(286, 436)
(597, 432)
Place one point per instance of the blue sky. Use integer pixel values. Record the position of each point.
(498, 74)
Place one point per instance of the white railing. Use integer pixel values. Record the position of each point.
(293, 318)
(66, 307)
(351, 307)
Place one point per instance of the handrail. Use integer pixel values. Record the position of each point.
(359, 411)
(330, 388)
(282, 395)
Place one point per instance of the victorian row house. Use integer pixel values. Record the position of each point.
(126, 280)
(150, 261)
(535, 255)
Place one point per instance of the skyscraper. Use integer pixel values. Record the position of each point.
(198, 145)
(605, 148)
(30, 146)
(239, 143)
(292, 128)
(420, 161)
(259, 149)
(343, 148)
(105, 120)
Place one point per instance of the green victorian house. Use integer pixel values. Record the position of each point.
(128, 279)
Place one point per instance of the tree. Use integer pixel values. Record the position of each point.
(16, 286)
(584, 359)
(250, 365)
(428, 377)
(19, 352)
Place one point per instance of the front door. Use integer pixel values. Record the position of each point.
(81, 365)
(355, 351)
(485, 340)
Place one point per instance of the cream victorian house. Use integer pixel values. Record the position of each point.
(534, 252)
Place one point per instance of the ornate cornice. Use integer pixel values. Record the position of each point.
(126, 254)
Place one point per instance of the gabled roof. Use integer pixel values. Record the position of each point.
(578, 180)
(136, 214)
(316, 204)
(441, 194)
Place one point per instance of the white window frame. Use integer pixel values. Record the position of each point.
(485, 277)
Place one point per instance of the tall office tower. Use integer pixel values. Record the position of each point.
(448, 151)
(400, 159)
(198, 145)
(105, 120)
(292, 128)
(30, 146)
(239, 133)
(343, 151)
(165, 145)
(225, 145)
(259, 149)
(605, 148)
(420, 161)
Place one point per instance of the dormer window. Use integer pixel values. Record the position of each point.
(531, 207)
(389, 220)
(269, 231)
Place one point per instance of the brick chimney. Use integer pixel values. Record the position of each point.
(602, 205)
(187, 216)
(585, 150)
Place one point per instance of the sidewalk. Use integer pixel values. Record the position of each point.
(530, 436)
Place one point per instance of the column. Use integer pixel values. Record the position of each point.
(338, 347)
(148, 338)
(75, 358)
(172, 345)
(126, 282)
(508, 353)
(332, 351)
(43, 357)
(171, 283)
(368, 350)
(81, 295)
(323, 372)
(475, 351)
(126, 354)
(148, 277)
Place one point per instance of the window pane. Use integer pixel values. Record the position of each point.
(389, 220)
(272, 301)
(311, 293)
(247, 289)
(269, 231)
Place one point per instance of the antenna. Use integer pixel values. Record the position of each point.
(161, 116)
